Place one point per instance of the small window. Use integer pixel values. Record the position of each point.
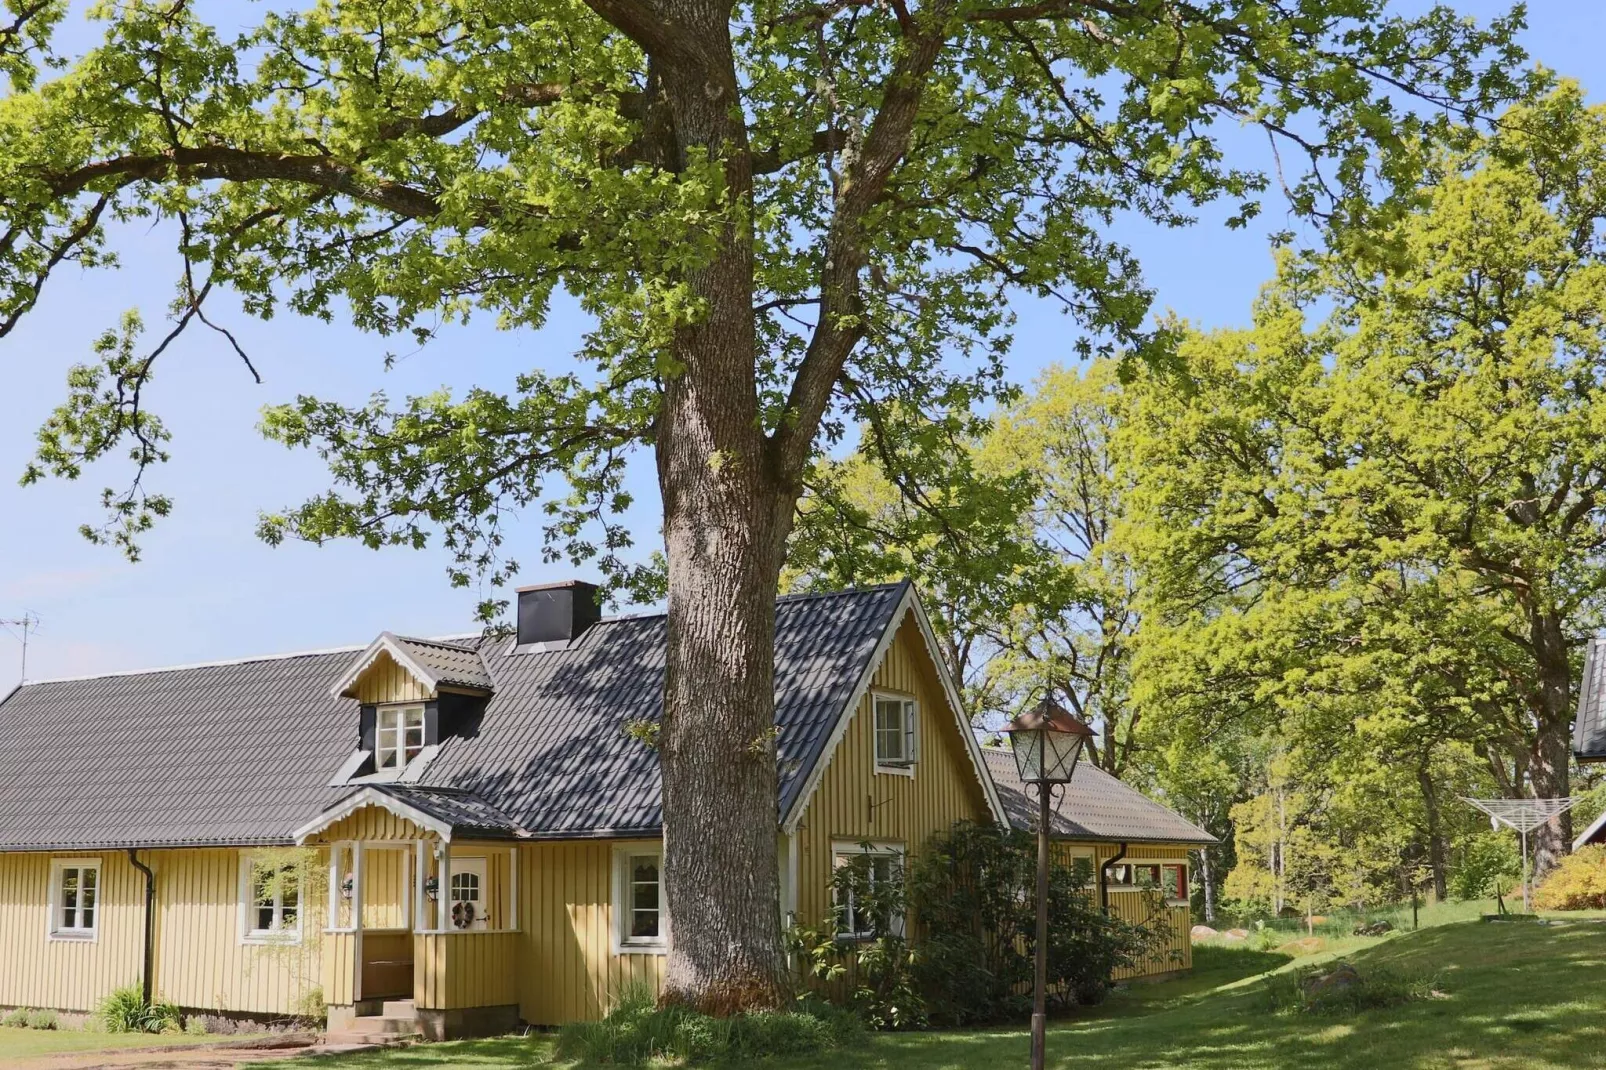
(75, 895)
(874, 866)
(641, 922)
(1169, 878)
(896, 719)
(401, 736)
(273, 910)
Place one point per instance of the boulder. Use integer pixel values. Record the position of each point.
(1235, 935)
(1201, 932)
(1308, 945)
(1321, 986)
(1376, 928)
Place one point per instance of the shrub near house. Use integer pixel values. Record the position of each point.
(1577, 883)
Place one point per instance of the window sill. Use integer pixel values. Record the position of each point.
(88, 936)
(655, 947)
(270, 939)
(895, 770)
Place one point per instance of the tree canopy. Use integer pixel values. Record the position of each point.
(783, 217)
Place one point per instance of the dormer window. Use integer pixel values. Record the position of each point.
(400, 736)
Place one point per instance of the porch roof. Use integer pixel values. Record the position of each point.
(446, 812)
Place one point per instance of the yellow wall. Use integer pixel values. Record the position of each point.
(854, 803)
(386, 681)
(386, 873)
(567, 969)
(201, 960)
(468, 969)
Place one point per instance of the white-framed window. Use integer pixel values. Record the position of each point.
(399, 736)
(1168, 878)
(270, 901)
(897, 733)
(74, 898)
(877, 864)
(640, 914)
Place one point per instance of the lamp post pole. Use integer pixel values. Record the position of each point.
(1046, 742)
(1040, 983)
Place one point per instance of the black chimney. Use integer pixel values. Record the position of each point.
(556, 613)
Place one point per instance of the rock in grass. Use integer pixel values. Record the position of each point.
(1376, 928)
(1201, 932)
(1319, 987)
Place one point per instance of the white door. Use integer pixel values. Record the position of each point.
(468, 908)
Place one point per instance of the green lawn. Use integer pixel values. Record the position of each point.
(1518, 995)
(26, 1043)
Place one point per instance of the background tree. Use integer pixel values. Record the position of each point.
(1408, 494)
(783, 216)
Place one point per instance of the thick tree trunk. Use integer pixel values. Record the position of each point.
(1207, 879)
(1552, 750)
(1430, 804)
(725, 518)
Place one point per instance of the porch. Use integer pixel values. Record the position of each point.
(418, 911)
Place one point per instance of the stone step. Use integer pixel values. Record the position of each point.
(398, 1008)
(382, 1024)
(347, 1040)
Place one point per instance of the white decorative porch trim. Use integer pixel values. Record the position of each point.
(372, 797)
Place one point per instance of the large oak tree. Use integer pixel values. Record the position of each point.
(781, 214)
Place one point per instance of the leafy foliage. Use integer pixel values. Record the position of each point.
(1577, 883)
(637, 1031)
(970, 897)
(125, 1011)
(1376, 987)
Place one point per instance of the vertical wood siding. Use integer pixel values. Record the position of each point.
(467, 969)
(855, 803)
(201, 960)
(339, 968)
(386, 681)
(69, 976)
(1176, 953)
(567, 971)
(373, 823)
(384, 887)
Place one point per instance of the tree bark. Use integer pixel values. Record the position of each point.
(725, 525)
(1430, 804)
(1548, 770)
(1207, 879)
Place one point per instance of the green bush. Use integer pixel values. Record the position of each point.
(637, 1032)
(42, 1020)
(125, 1011)
(1488, 861)
(16, 1019)
(1577, 883)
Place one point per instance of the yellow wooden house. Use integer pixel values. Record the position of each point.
(484, 832)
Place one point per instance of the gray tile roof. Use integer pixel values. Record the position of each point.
(466, 812)
(1093, 806)
(1589, 726)
(451, 664)
(242, 753)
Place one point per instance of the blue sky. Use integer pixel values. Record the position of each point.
(207, 589)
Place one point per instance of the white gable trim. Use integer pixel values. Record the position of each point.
(372, 797)
(909, 603)
(387, 643)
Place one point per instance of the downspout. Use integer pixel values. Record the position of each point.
(149, 979)
(1104, 878)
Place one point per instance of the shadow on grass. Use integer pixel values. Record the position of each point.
(1517, 998)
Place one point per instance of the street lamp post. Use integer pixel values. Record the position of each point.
(1047, 742)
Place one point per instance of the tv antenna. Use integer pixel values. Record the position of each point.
(27, 623)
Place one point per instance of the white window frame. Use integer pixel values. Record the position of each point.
(904, 764)
(1187, 876)
(54, 929)
(249, 933)
(398, 733)
(843, 852)
(623, 942)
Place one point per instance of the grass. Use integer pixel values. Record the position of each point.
(26, 1043)
(1517, 996)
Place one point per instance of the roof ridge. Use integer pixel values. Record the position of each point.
(449, 641)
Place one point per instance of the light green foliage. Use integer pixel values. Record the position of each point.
(1371, 523)
(1577, 883)
(898, 171)
(42, 1019)
(125, 1011)
(16, 1018)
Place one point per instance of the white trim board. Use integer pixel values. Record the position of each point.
(372, 797)
(387, 643)
(909, 602)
